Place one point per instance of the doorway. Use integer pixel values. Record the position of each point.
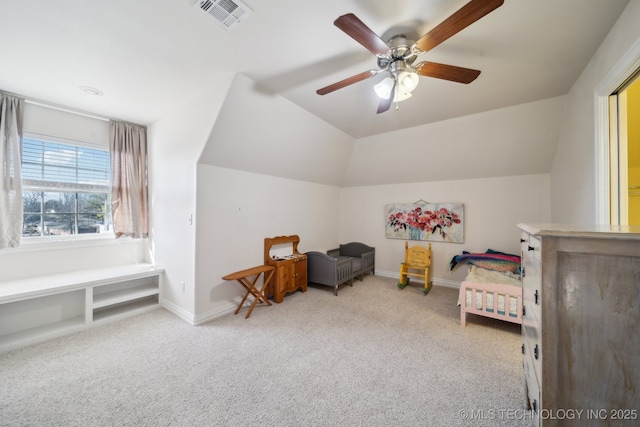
(625, 72)
(624, 152)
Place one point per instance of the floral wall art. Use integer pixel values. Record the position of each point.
(436, 222)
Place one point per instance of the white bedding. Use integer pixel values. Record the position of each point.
(482, 275)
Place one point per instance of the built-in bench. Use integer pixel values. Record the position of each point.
(38, 308)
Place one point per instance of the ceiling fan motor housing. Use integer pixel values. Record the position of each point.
(401, 49)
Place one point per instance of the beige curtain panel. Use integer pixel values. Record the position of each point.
(129, 194)
(11, 207)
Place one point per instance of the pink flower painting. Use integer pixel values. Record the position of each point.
(441, 222)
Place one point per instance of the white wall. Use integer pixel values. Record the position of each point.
(493, 208)
(268, 134)
(64, 124)
(518, 140)
(175, 143)
(237, 210)
(574, 170)
(39, 259)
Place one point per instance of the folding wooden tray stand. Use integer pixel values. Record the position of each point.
(244, 278)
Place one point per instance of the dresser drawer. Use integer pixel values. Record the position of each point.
(531, 314)
(531, 303)
(532, 347)
(532, 387)
(532, 277)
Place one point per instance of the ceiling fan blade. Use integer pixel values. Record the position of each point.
(357, 30)
(447, 72)
(346, 82)
(465, 16)
(385, 104)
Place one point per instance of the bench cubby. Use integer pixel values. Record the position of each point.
(44, 307)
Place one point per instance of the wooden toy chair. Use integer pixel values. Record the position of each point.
(417, 260)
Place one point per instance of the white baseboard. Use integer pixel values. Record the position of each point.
(447, 283)
(387, 273)
(230, 307)
(219, 311)
(436, 281)
(199, 319)
(179, 311)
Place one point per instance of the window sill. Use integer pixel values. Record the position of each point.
(31, 244)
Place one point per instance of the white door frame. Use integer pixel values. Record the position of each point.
(616, 77)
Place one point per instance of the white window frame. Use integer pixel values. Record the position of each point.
(35, 186)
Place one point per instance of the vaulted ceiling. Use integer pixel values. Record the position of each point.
(146, 56)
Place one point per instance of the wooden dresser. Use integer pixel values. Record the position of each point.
(581, 313)
(291, 266)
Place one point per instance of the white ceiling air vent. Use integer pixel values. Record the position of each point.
(229, 13)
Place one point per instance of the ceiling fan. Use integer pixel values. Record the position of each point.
(398, 55)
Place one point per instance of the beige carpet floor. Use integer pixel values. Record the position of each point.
(372, 356)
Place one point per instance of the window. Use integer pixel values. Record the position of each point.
(66, 187)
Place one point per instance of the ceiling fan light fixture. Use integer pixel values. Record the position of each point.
(383, 89)
(408, 81)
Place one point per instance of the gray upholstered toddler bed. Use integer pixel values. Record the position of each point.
(364, 257)
(323, 269)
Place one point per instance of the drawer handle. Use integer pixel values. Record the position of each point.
(522, 240)
(522, 348)
(524, 311)
(534, 405)
(535, 297)
(536, 352)
(530, 248)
